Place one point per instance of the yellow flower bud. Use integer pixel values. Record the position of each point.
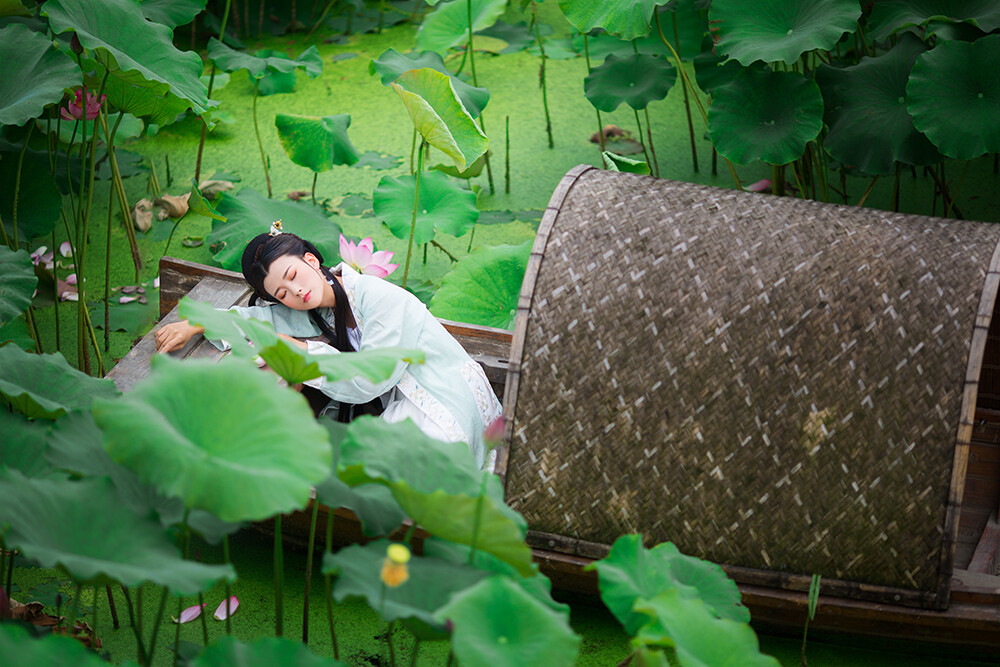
(398, 553)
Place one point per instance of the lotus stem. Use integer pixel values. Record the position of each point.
(478, 520)
(225, 557)
(652, 148)
(315, 176)
(506, 168)
(687, 106)
(17, 181)
(600, 125)
(10, 569)
(413, 148)
(154, 180)
(309, 571)
(111, 606)
(211, 81)
(204, 623)
(256, 129)
(260, 19)
(541, 74)
(639, 125)
(186, 532)
(137, 626)
(279, 576)
(416, 652)
(413, 220)
(798, 181)
(107, 278)
(321, 17)
(392, 648)
(93, 621)
(74, 609)
(166, 160)
(895, 187)
(6, 239)
(29, 315)
(156, 626)
(116, 177)
(954, 193)
(425, 254)
(871, 185)
(328, 585)
(687, 82)
(470, 50)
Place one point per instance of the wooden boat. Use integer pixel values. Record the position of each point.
(560, 397)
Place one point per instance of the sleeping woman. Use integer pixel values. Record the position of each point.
(448, 396)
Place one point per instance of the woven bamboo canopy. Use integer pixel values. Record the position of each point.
(775, 384)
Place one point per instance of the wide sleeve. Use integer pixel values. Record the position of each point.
(389, 316)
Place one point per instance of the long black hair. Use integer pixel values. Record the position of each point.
(257, 259)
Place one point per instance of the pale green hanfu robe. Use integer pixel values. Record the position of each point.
(448, 396)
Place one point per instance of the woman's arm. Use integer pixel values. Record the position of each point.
(175, 335)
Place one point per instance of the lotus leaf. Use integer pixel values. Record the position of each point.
(17, 283)
(473, 170)
(712, 70)
(264, 652)
(249, 213)
(231, 60)
(134, 50)
(439, 115)
(377, 161)
(631, 572)
(83, 527)
(45, 386)
(870, 128)
(199, 205)
(74, 445)
(373, 504)
(134, 316)
(23, 446)
(765, 115)
(17, 333)
(954, 97)
(273, 83)
(448, 25)
(38, 198)
(431, 582)
(497, 623)
(24, 649)
(316, 142)
(697, 637)
(172, 13)
(36, 74)
(889, 16)
(483, 287)
(517, 35)
(636, 80)
(626, 19)
(443, 206)
(391, 64)
(239, 463)
(614, 162)
(777, 30)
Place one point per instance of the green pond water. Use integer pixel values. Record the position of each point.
(380, 124)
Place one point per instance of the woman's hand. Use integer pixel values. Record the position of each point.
(296, 341)
(175, 335)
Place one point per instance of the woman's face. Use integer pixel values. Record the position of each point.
(297, 282)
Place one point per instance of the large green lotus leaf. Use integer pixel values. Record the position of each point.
(443, 206)
(431, 583)
(954, 97)
(273, 83)
(36, 74)
(698, 638)
(38, 200)
(83, 527)
(231, 60)
(249, 213)
(692, 25)
(497, 623)
(391, 64)
(17, 333)
(626, 19)
(631, 572)
(131, 48)
(316, 142)
(236, 460)
(889, 16)
(172, 13)
(23, 649)
(765, 115)
(437, 484)
(23, 445)
(74, 445)
(636, 80)
(263, 652)
(17, 283)
(448, 24)
(712, 70)
(484, 286)
(870, 128)
(45, 386)
(141, 99)
(439, 115)
(771, 30)
(614, 162)
(373, 504)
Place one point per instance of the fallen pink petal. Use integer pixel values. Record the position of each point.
(69, 296)
(71, 279)
(190, 613)
(65, 249)
(156, 282)
(760, 186)
(127, 299)
(221, 613)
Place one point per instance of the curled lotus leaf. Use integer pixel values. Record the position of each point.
(316, 142)
(483, 288)
(172, 13)
(870, 128)
(635, 80)
(953, 95)
(17, 283)
(626, 19)
(231, 60)
(614, 162)
(45, 386)
(778, 30)
(765, 115)
(443, 206)
(82, 527)
(265, 652)
(448, 24)
(889, 16)
(238, 463)
(36, 74)
(391, 64)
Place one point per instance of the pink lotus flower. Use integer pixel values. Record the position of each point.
(365, 259)
(77, 109)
